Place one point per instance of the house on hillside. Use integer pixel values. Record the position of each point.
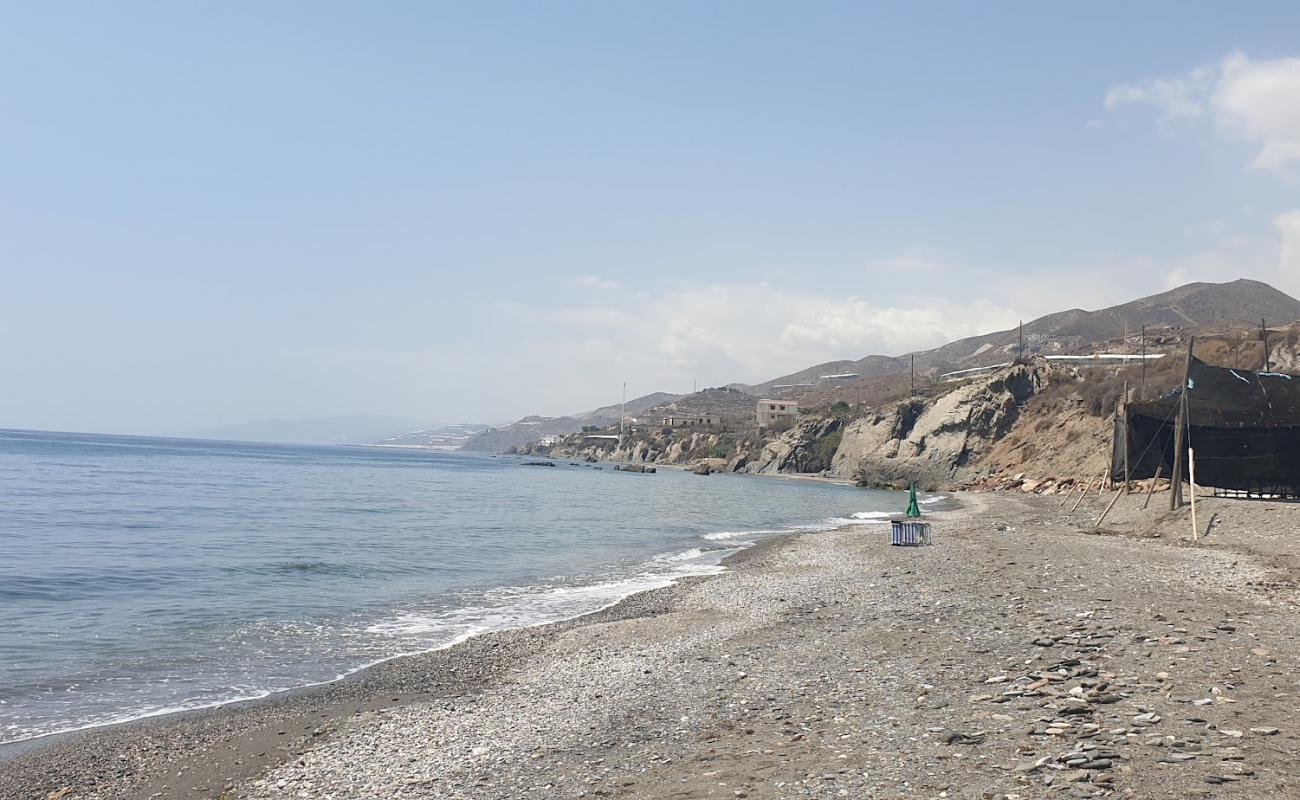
(769, 412)
(691, 420)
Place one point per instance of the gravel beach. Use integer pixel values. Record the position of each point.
(1025, 655)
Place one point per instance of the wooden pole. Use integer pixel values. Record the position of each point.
(1068, 495)
(1152, 487)
(1109, 507)
(1176, 479)
(1123, 413)
(1101, 487)
(1191, 474)
(1083, 495)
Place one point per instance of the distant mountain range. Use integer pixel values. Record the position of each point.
(1075, 332)
(533, 428)
(1064, 333)
(450, 437)
(349, 429)
(1193, 306)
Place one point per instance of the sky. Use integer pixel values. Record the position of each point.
(216, 212)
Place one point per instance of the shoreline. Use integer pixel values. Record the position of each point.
(825, 665)
(242, 724)
(12, 749)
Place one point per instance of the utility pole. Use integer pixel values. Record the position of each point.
(1236, 352)
(622, 412)
(1142, 389)
(913, 391)
(695, 386)
(1021, 346)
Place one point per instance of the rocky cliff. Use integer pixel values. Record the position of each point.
(809, 446)
(1035, 425)
(981, 431)
(944, 441)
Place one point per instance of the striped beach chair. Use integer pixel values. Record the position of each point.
(909, 533)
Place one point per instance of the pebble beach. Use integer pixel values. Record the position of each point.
(1025, 655)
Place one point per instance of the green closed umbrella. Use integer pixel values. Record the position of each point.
(913, 510)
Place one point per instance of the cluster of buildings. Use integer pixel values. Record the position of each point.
(766, 413)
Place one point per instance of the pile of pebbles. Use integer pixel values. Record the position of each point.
(1094, 725)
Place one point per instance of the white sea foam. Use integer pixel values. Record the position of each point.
(528, 606)
(723, 535)
(872, 516)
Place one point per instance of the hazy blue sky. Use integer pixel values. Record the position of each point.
(218, 212)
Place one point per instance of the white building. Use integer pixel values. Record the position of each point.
(772, 411)
(691, 420)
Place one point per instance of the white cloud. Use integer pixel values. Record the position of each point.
(721, 333)
(530, 356)
(1177, 98)
(593, 282)
(1253, 101)
(1260, 102)
(1272, 259)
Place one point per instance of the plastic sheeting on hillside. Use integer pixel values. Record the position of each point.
(1243, 425)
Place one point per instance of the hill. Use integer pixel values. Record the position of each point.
(1231, 311)
(732, 405)
(534, 428)
(451, 437)
(1241, 302)
(1072, 332)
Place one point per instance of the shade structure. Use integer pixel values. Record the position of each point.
(1244, 427)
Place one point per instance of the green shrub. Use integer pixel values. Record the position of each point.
(827, 445)
(721, 450)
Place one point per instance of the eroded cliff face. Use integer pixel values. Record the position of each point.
(939, 442)
(722, 451)
(807, 447)
(998, 431)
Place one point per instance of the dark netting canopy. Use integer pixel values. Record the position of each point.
(1244, 427)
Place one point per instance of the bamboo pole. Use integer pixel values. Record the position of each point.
(1151, 489)
(1191, 474)
(1123, 412)
(1068, 495)
(1109, 507)
(1082, 495)
(1101, 487)
(1176, 479)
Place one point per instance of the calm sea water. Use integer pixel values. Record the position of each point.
(145, 575)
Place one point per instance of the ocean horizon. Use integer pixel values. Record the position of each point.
(145, 575)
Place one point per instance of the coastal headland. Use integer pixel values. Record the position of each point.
(1027, 654)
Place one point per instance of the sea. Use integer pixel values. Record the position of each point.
(141, 576)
